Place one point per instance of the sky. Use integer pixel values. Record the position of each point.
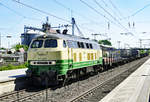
(92, 17)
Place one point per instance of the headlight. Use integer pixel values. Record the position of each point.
(33, 62)
(53, 62)
(43, 62)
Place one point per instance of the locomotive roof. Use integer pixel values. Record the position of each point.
(67, 37)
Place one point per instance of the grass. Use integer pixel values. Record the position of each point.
(11, 67)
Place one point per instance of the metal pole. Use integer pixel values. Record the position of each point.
(0, 40)
(73, 23)
(94, 37)
(8, 40)
(119, 44)
(140, 43)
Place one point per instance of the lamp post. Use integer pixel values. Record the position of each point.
(0, 40)
(118, 44)
(140, 40)
(8, 36)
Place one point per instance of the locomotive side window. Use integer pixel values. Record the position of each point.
(87, 45)
(72, 44)
(37, 44)
(91, 46)
(82, 45)
(64, 44)
(50, 43)
(79, 46)
(69, 44)
(75, 44)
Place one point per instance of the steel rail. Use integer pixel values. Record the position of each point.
(90, 91)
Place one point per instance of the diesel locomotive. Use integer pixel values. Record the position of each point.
(56, 56)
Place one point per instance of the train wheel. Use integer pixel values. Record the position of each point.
(95, 69)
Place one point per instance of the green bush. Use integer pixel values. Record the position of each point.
(11, 67)
(18, 46)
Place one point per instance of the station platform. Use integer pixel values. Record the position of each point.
(136, 88)
(12, 74)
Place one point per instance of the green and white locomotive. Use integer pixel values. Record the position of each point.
(56, 56)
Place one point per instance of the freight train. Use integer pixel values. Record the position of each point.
(56, 57)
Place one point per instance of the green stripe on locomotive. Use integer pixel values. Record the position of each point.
(62, 66)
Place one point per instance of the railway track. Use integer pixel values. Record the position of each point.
(24, 96)
(19, 96)
(82, 97)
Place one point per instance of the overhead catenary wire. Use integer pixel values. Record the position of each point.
(115, 7)
(140, 9)
(101, 14)
(83, 16)
(57, 2)
(71, 10)
(110, 14)
(17, 13)
(41, 11)
(106, 5)
(137, 12)
(96, 11)
(118, 13)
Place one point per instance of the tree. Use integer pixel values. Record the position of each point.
(18, 46)
(2, 48)
(105, 42)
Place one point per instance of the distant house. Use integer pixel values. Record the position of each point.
(1, 59)
(17, 57)
(3, 52)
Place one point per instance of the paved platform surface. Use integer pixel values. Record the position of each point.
(12, 74)
(136, 88)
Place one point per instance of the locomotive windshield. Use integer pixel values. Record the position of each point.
(37, 44)
(50, 43)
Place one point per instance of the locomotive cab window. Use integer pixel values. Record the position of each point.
(50, 43)
(37, 44)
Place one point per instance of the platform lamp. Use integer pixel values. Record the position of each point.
(8, 36)
(118, 44)
(0, 40)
